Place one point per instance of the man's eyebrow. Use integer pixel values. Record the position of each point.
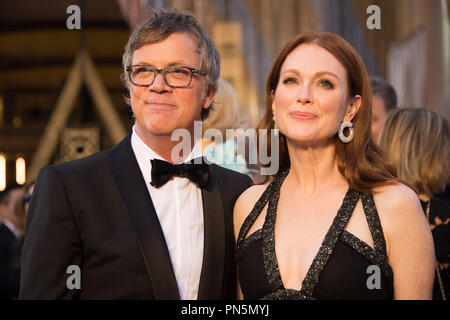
(176, 64)
(142, 64)
(172, 64)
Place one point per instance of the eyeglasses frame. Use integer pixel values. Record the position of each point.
(163, 73)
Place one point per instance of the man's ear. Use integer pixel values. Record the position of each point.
(353, 108)
(210, 94)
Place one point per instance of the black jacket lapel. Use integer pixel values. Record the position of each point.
(211, 277)
(142, 213)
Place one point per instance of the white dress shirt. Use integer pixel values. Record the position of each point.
(179, 208)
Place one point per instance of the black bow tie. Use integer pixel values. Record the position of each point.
(196, 170)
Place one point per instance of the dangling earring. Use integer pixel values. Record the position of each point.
(349, 125)
(275, 127)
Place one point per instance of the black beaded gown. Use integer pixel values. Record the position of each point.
(341, 268)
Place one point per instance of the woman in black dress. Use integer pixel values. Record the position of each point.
(418, 144)
(335, 223)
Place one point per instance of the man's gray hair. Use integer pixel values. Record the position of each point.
(159, 26)
(383, 89)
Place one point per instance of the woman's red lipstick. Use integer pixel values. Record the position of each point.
(303, 115)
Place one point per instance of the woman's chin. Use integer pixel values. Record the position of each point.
(309, 140)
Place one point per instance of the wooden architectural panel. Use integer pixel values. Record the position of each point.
(77, 143)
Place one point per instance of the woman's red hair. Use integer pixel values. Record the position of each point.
(361, 161)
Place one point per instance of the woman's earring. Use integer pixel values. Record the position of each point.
(275, 127)
(349, 125)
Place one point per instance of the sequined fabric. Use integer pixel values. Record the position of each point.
(329, 242)
(287, 294)
(335, 233)
(364, 249)
(270, 259)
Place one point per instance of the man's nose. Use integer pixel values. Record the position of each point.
(159, 84)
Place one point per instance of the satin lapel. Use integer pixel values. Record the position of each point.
(143, 216)
(214, 241)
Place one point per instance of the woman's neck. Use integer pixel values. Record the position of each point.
(314, 168)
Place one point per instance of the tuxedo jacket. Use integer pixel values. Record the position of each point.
(96, 213)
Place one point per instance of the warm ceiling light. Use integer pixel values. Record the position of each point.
(2, 172)
(20, 170)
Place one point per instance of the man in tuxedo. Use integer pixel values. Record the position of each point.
(10, 242)
(128, 223)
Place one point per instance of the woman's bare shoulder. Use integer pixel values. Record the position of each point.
(246, 201)
(396, 195)
(397, 205)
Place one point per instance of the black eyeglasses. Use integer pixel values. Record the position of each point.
(175, 77)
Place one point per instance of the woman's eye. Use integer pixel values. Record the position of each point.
(326, 84)
(289, 80)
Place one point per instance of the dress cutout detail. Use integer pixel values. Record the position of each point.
(264, 282)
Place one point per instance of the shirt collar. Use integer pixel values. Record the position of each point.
(12, 228)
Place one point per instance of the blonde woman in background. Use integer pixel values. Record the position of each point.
(227, 114)
(418, 143)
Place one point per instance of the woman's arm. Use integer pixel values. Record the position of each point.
(409, 242)
(243, 206)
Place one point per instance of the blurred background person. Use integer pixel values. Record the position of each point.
(27, 197)
(384, 100)
(418, 143)
(21, 208)
(446, 193)
(227, 114)
(20, 204)
(11, 231)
